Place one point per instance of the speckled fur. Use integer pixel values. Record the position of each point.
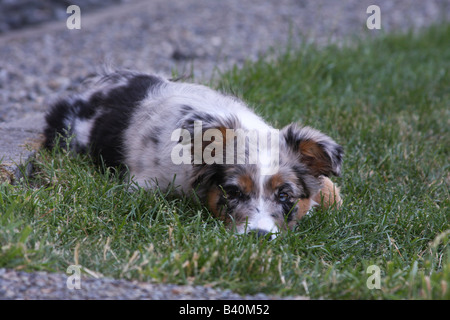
(130, 120)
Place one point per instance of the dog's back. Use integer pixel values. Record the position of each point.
(96, 120)
(127, 119)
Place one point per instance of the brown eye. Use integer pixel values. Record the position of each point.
(283, 197)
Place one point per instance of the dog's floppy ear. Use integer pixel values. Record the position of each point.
(321, 154)
(208, 136)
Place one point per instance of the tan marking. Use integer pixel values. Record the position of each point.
(223, 130)
(304, 205)
(213, 144)
(314, 157)
(246, 183)
(213, 198)
(276, 181)
(327, 196)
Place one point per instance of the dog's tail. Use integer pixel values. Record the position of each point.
(70, 120)
(68, 124)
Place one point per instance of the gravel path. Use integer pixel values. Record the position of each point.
(37, 65)
(204, 37)
(41, 285)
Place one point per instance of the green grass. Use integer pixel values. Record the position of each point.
(385, 100)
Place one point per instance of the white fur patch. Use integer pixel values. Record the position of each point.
(82, 130)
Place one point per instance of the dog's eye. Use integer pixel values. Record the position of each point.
(232, 193)
(283, 197)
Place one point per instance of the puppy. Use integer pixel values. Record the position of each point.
(197, 141)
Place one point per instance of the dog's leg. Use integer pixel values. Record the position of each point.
(329, 195)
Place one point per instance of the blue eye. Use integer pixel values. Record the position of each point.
(283, 197)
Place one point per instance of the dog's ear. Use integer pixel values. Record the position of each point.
(208, 137)
(321, 154)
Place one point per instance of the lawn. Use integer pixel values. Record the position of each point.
(386, 100)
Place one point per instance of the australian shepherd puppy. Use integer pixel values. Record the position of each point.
(199, 142)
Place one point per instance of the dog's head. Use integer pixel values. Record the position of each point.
(252, 199)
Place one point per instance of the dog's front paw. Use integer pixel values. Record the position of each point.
(329, 195)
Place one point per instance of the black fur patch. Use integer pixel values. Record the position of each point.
(60, 121)
(288, 209)
(185, 110)
(207, 176)
(302, 175)
(116, 107)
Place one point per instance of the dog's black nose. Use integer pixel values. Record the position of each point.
(260, 233)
